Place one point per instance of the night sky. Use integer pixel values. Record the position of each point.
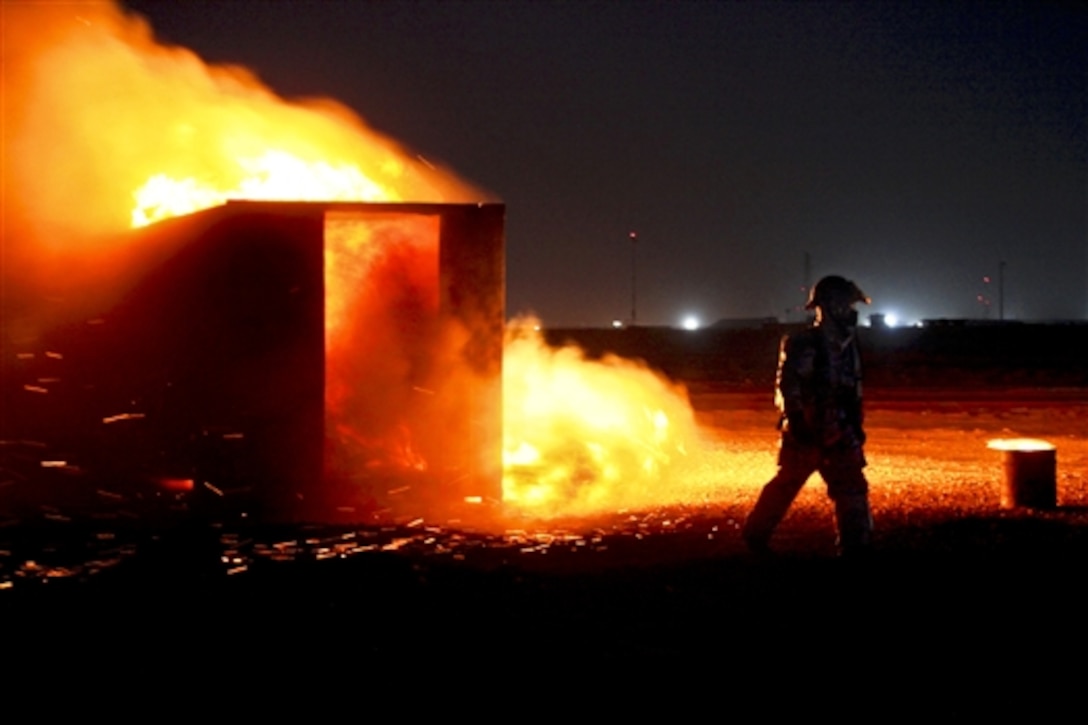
(910, 146)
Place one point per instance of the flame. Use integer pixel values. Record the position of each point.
(382, 327)
(584, 436)
(271, 176)
(105, 128)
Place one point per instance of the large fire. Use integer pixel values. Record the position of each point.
(271, 175)
(105, 128)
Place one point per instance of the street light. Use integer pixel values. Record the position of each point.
(634, 278)
(1001, 290)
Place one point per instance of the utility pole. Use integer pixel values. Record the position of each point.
(1001, 290)
(634, 278)
(806, 281)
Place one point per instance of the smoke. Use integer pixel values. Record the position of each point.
(94, 107)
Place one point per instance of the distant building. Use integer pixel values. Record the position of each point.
(967, 322)
(744, 323)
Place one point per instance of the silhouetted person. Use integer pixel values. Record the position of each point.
(818, 392)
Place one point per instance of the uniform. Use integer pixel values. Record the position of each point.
(818, 394)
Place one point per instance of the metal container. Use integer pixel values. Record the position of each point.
(1030, 473)
(353, 351)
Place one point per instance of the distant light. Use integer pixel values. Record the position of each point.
(691, 322)
(617, 324)
(891, 319)
(524, 323)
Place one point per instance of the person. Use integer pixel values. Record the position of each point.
(818, 394)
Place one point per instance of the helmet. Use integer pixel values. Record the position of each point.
(835, 289)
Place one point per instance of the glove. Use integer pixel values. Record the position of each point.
(798, 428)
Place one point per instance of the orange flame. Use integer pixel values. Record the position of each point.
(584, 436)
(271, 176)
(105, 128)
(382, 327)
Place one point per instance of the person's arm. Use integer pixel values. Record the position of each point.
(796, 362)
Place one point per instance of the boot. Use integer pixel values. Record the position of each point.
(854, 522)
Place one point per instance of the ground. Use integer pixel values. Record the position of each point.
(955, 579)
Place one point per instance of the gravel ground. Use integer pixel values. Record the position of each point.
(956, 580)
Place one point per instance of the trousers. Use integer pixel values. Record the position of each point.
(842, 469)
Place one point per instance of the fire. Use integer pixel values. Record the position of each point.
(271, 176)
(381, 300)
(105, 128)
(584, 436)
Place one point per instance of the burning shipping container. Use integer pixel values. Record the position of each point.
(335, 359)
(329, 347)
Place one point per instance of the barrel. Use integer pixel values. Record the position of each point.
(1030, 473)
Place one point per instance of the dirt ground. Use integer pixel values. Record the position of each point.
(928, 453)
(956, 579)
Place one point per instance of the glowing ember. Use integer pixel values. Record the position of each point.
(175, 484)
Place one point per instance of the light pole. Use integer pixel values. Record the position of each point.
(634, 278)
(1001, 290)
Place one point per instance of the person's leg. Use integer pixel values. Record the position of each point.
(849, 490)
(773, 503)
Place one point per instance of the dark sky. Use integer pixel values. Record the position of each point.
(910, 146)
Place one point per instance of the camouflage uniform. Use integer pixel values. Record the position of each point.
(818, 393)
